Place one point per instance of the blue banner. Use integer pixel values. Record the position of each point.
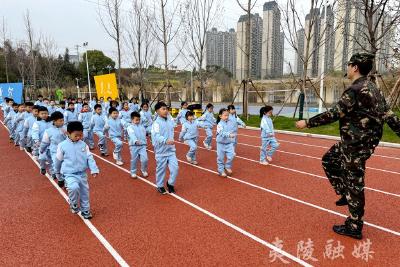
(11, 90)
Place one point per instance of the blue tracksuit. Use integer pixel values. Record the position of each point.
(72, 161)
(38, 129)
(181, 118)
(235, 120)
(28, 123)
(162, 131)
(267, 138)
(9, 121)
(225, 145)
(39, 103)
(208, 123)
(97, 125)
(114, 128)
(52, 136)
(19, 128)
(70, 115)
(125, 116)
(190, 134)
(52, 109)
(78, 108)
(134, 107)
(137, 146)
(146, 120)
(86, 118)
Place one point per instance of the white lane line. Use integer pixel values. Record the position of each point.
(287, 197)
(219, 219)
(88, 223)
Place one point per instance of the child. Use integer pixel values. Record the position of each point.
(267, 136)
(39, 102)
(208, 123)
(114, 128)
(70, 113)
(133, 105)
(38, 128)
(7, 107)
(61, 107)
(10, 119)
(18, 126)
(137, 145)
(85, 117)
(146, 118)
(52, 107)
(73, 158)
(190, 135)
(225, 139)
(97, 126)
(162, 136)
(28, 123)
(181, 118)
(52, 136)
(78, 105)
(22, 133)
(125, 116)
(235, 120)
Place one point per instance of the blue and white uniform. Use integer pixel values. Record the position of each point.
(267, 138)
(236, 121)
(190, 135)
(114, 128)
(225, 139)
(52, 136)
(208, 123)
(70, 115)
(38, 129)
(86, 118)
(146, 120)
(97, 125)
(137, 147)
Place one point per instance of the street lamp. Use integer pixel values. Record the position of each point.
(87, 69)
(77, 87)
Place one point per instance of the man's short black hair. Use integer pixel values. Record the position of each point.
(97, 106)
(57, 115)
(41, 108)
(135, 114)
(29, 104)
(74, 126)
(111, 110)
(160, 105)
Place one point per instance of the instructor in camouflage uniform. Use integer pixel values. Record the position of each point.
(362, 112)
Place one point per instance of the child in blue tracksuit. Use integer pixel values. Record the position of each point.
(236, 121)
(162, 137)
(146, 118)
(7, 107)
(267, 136)
(9, 120)
(38, 128)
(181, 117)
(125, 116)
(52, 136)
(225, 139)
(133, 105)
(22, 131)
(73, 158)
(18, 126)
(97, 125)
(28, 123)
(114, 128)
(137, 145)
(85, 117)
(52, 107)
(70, 113)
(208, 123)
(190, 134)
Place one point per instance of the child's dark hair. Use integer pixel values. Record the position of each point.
(189, 113)
(40, 96)
(111, 110)
(35, 107)
(14, 104)
(85, 104)
(74, 126)
(57, 115)
(135, 114)
(231, 107)
(264, 110)
(71, 103)
(209, 105)
(160, 105)
(144, 104)
(28, 104)
(97, 106)
(123, 103)
(62, 103)
(221, 111)
(41, 108)
(183, 103)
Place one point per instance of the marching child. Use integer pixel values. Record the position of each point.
(38, 128)
(114, 128)
(10, 119)
(125, 116)
(28, 123)
(208, 123)
(134, 105)
(73, 158)
(52, 107)
(85, 117)
(22, 131)
(190, 135)
(19, 126)
(225, 139)
(146, 118)
(97, 126)
(52, 136)
(162, 137)
(236, 121)
(7, 107)
(181, 118)
(267, 136)
(137, 145)
(70, 113)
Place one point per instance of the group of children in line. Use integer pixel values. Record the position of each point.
(61, 137)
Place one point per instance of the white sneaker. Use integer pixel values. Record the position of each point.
(264, 163)
(194, 162)
(145, 174)
(134, 176)
(205, 145)
(228, 171)
(115, 156)
(189, 159)
(119, 163)
(223, 174)
(21, 148)
(269, 159)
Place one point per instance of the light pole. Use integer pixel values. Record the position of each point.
(77, 87)
(87, 69)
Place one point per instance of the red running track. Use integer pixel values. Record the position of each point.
(148, 229)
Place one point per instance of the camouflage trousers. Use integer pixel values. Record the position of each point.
(345, 169)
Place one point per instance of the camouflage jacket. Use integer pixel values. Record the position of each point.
(362, 110)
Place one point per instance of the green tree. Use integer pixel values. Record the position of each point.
(98, 63)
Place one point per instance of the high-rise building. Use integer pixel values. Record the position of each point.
(221, 49)
(327, 41)
(272, 56)
(312, 28)
(299, 59)
(256, 26)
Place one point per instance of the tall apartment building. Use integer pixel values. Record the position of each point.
(299, 63)
(327, 41)
(221, 49)
(256, 26)
(272, 44)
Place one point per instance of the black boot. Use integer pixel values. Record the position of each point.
(342, 201)
(348, 228)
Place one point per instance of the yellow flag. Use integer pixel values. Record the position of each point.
(106, 86)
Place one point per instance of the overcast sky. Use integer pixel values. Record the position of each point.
(72, 22)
